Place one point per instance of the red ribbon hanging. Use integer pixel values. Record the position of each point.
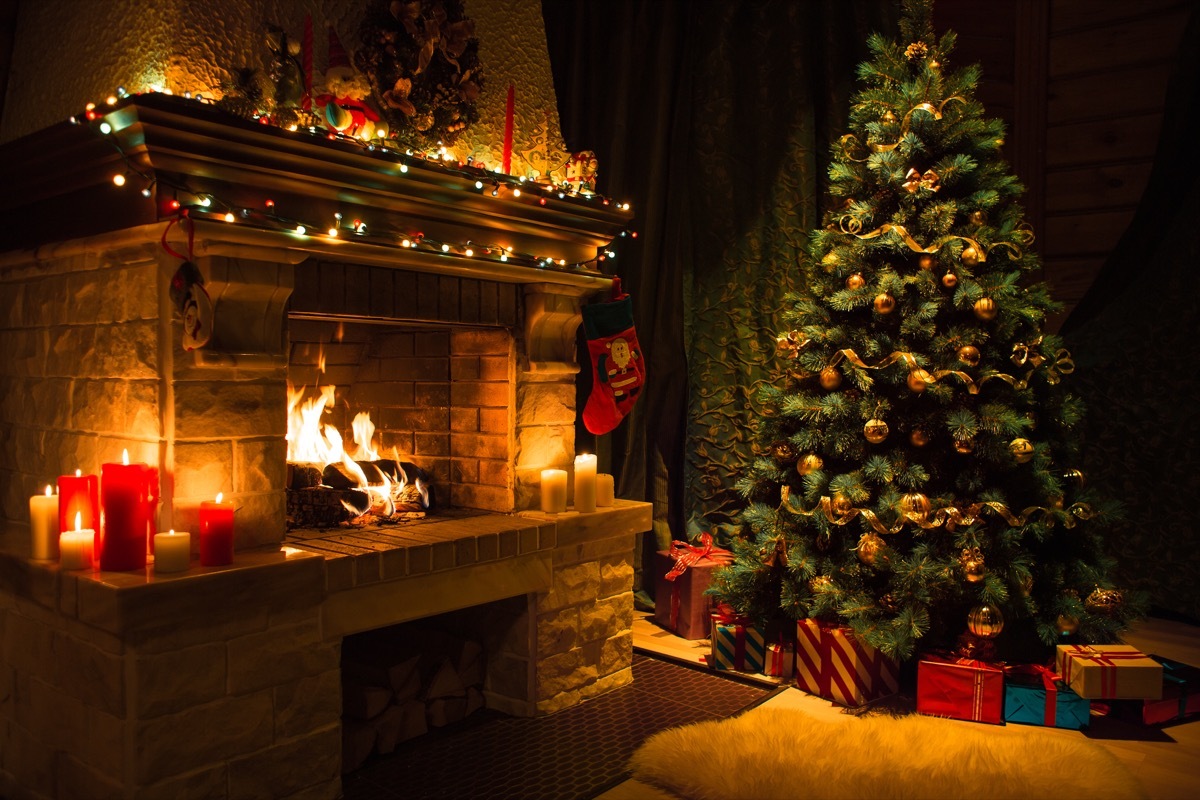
(1049, 682)
(186, 222)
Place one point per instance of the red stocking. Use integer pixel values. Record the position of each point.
(618, 370)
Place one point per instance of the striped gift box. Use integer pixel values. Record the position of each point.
(833, 663)
(737, 646)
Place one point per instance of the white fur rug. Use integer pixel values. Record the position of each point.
(775, 753)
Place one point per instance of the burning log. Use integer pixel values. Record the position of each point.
(303, 476)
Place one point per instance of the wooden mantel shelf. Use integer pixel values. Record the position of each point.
(59, 187)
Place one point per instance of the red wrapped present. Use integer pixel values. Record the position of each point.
(832, 662)
(960, 688)
(1109, 672)
(681, 576)
(1180, 696)
(781, 660)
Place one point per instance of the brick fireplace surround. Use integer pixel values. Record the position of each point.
(225, 681)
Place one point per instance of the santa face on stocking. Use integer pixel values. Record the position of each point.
(616, 369)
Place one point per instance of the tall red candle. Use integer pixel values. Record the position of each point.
(128, 496)
(508, 133)
(216, 533)
(79, 494)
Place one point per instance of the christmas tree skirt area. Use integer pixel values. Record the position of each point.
(578, 752)
(782, 750)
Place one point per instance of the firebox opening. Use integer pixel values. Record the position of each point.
(390, 422)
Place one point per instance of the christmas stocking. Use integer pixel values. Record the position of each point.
(618, 370)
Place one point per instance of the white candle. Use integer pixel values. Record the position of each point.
(585, 483)
(604, 490)
(172, 551)
(77, 547)
(554, 491)
(43, 525)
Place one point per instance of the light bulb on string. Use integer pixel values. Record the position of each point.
(105, 128)
(445, 248)
(333, 232)
(301, 230)
(229, 216)
(118, 179)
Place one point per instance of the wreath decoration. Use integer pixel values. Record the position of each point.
(422, 59)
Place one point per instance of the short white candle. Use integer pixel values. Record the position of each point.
(43, 524)
(585, 483)
(77, 547)
(172, 551)
(554, 491)
(604, 490)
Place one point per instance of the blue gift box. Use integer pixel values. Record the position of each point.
(737, 645)
(1036, 696)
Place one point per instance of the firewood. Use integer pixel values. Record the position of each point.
(446, 711)
(358, 742)
(475, 700)
(389, 725)
(394, 669)
(444, 682)
(363, 702)
(470, 663)
(338, 476)
(415, 723)
(303, 476)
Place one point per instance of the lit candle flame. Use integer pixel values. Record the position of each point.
(171, 532)
(125, 457)
(47, 490)
(78, 521)
(219, 496)
(78, 473)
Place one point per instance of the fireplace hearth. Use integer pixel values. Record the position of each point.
(465, 365)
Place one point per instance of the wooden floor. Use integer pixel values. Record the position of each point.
(1165, 759)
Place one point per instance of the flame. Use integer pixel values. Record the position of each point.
(364, 430)
(78, 521)
(125, 457)
(308, 440)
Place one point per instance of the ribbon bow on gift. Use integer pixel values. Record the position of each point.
(915, 180)
(1049, 683)
(686, 555)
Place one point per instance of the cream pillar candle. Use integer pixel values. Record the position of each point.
(585, 483)
(172, 551)
(554, 491)
(43, 525)
(77, 547)
(604, 490)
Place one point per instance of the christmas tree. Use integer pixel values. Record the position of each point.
(915, 474)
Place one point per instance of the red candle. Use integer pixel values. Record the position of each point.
(128, 496)
(216, 533)
(79, 494)
(508, 133)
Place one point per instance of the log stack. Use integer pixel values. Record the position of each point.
(329, 496)
(397, 686)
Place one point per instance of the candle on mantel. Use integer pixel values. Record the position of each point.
(585, 483)
(216, 533)
(128, 496)
(604, 490)
(77, 547)
(43, 525)
(172, 551)
(79, 494)
(554, 491)
(506, 166)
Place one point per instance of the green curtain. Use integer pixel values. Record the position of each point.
(715, 120)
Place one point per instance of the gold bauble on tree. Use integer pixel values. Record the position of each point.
(830, 378)
(1067, 624)
(918, 379)
(888, 116)
(869, 548)
(970, 256)
(985, 621)
(1022, 450)
(926, 262)
(841, 504)
(919, 438)
(784, 451)
(889, 603)
(885, 303)
(810, 463)
(949, 280)
(915, 505)
(876, 430)
(856, 281)
(969, 355)
(971, 561)
(820, 584)
(1104, 601)
(964, 446)
(986, 309)
(978, 217)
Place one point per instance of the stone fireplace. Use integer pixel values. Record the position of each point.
(224, 681)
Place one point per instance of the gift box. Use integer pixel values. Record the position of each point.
(1180, 695)
(736, 644)
(832, 662)
(780, 660)
(682, 574)
(961, 688)
(1109, 672)
(1036, 695)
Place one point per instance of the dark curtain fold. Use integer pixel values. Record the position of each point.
(714, 120)
(1134, 338)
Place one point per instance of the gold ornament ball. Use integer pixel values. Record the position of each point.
(885, 303)
(830, 260)
(977, 217)
(926, 262)
(869, 548)
(972, 565)
(919, 438)
(969, 256)
(841, 504)
(810, 463)
(949, 280)
(784, 451)
(856, 281)
(820, 584)
(964, 446)
(918, 379)
(876, 430)
(888, 116)
(889, 603)
(1056, 500)
(1104, 601)
(1022, 450)
(985, 621)
(830, 378)
(986, 308)
(1067, 624)
(915, 505)
(969, 355)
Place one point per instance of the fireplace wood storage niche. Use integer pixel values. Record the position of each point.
(457, 362)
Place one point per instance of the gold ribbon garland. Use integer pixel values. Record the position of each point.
(1061, 364)
(932, 519)
(915, 180)
(854, 225)
(935, 111)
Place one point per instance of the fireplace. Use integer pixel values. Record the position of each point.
(464, 358)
